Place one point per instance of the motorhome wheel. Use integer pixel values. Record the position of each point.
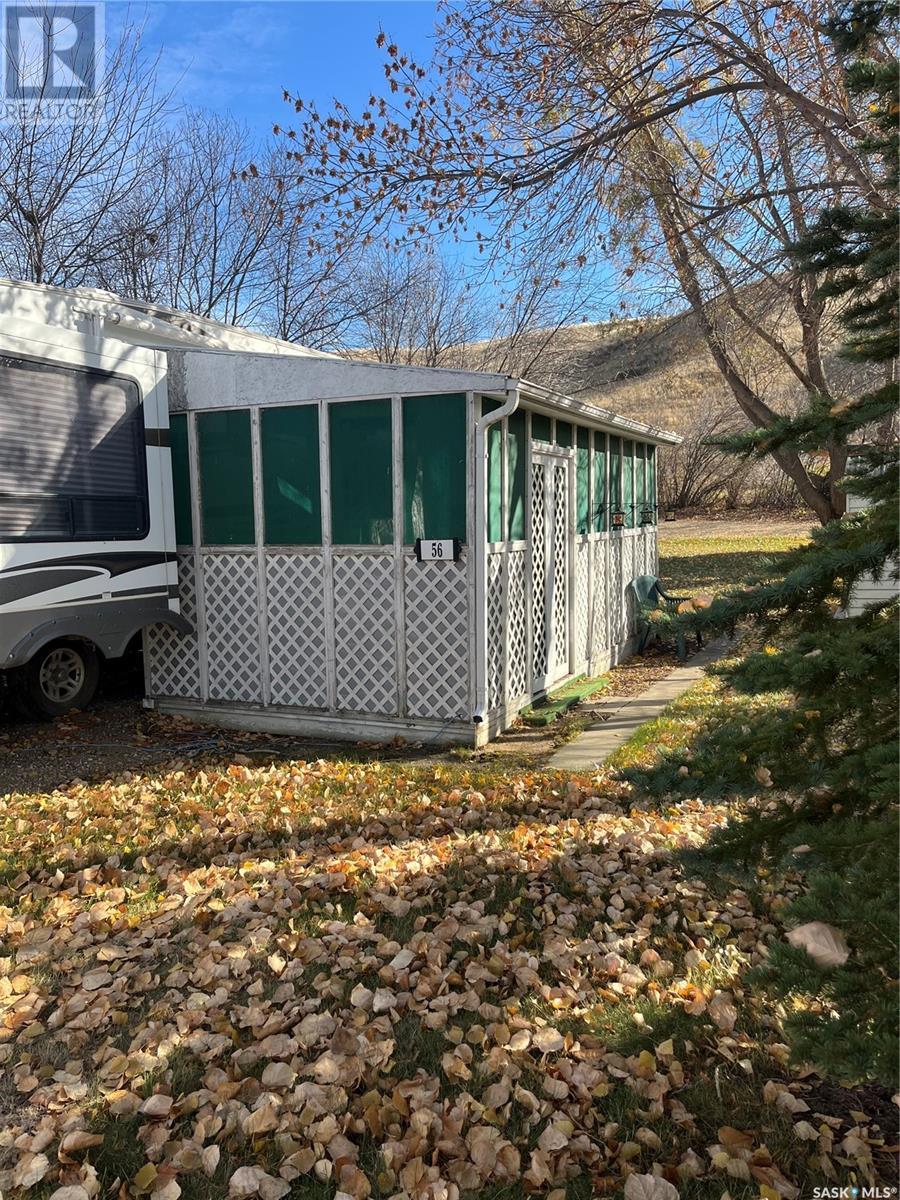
(60, 677)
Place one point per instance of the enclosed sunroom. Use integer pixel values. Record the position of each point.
(367, 551)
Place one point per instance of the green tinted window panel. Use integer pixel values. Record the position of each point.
(599, 509)
(582, 489)
(434, 467)
(563, 433)
(226, 478)
(517, 449)
(615, 473)
(181, 480)
(651, 478)
(495, 483)
(640, 477)
(628, 482)
(540, 427)
(582, 437)
(489, 405)
(362, 477)
(290, 464)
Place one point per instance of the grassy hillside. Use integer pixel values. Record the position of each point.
(659, 370)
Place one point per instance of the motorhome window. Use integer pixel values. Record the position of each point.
(362, 477)
(434, 467)
(72, 454)
(181, 479)
(226, 477)
(292, 496)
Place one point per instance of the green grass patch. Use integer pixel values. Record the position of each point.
(692, 565)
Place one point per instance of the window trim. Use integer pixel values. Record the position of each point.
(143, 497)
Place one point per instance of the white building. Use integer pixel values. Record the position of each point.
(355, 549)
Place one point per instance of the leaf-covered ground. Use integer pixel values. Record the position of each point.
(332, 979)
(441, 981)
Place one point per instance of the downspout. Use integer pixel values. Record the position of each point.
(481, 546)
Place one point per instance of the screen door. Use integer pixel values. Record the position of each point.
(550, 568)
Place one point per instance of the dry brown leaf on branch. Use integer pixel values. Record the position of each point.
(823, 943)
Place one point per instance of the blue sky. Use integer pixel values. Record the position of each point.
(237, 58)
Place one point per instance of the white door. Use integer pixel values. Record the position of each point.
(550, 568)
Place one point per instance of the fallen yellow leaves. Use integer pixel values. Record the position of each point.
(388, 984)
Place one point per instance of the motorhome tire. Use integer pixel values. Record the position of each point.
(61, 676)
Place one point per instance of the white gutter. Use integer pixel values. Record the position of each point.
(554, 403)
(481, 545)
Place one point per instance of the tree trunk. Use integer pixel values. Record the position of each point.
(825, 506)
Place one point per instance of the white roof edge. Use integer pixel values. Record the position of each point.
(485, 382)
(603, 418)
(181, 328)
(187, 331)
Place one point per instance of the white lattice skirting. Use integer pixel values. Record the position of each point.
(271, 644)
(378, 644)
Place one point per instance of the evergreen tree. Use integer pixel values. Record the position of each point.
(833, 748)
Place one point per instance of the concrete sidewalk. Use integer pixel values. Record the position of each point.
(595, 745)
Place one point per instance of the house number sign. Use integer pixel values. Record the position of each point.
(432, 550)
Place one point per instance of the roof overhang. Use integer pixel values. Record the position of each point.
(99, 314)
(552, 403)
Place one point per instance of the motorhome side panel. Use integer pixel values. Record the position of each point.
(86, 527)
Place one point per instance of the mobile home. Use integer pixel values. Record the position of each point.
(343, 548)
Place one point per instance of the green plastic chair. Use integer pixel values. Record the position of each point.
(649, 594)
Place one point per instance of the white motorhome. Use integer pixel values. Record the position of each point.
(87, 537)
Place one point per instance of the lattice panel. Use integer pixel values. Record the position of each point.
(495, 630)
(560, 569)
(437, 639)
(628, 573)
(518, 632)
(295, 605)
(583, 554)
(365, 633)
(652, 551)
(540, 647)
(174, 659)
(640, 555)
(599, 597)
(231, 605)
(616, 597)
